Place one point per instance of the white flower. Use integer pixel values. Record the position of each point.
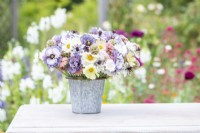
(2, 115)
(161, 71)
(156, 64)
(69, 43)
(168, 48)
(145, 55)
(18, 51)
(151, 7)
(111, 94)
(187, 63)
(59, 18)
(90, 72)
(131, 46)
(36, 56)
(34, 100)
(140, 73)
(27, 83)
(44, 24)
(47, 82)
(5, 92)
(32, 34)
(141, 8)
(160, 6)
(37, 72)
(9, 69)
(151, 86)
(88, 58)
(110, 65)
(106, 25)
(121, 48)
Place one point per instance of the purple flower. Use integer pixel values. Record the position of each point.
(94, 30)
(2, 104)
(121, 32)
(118, 59)
(52, 56)
(111, 35)
(139, 60)
(77, 49)
(74, 64)
(57, 39)
(87, 40)
(189, 75)
(137, 33)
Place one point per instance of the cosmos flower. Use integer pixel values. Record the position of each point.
(74, 64)
(110, 65)
(90, 72)
(69, 43)
(101, 44)
(52, 56)
(88, 58)
(137, 33)
(189, 75)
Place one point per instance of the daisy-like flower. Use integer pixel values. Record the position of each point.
(101, 44)
(69, 43)
(52, 56)
(88, 58)
(90, 72)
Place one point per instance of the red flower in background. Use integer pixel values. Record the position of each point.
(189, 75)
(137, 33)
(149, 99)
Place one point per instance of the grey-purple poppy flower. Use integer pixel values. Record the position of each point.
(87, 40)
(74, 64)
(52, 56)
(94, 30)
(118, 59)
(57, 39)
(112, 35)
(137, 33)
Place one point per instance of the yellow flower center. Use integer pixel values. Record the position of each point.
(68, 46)
(91, 69)
(100, 47)
(90, 57)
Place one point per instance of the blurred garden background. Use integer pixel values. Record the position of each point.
(168, 32)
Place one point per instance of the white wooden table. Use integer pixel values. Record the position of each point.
(136, 118)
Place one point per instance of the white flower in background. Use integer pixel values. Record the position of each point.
(161, 71)
(187, 63)
(36, 56)
(9, 69)
(56, 94)
(145, 55)
(59, 18)
(111, 94)
(121, 48)
(168, 48)
(131, 46)
(160, 6)
(140, 73)
(34, 100)
(44, 24)
(27, 83)
(18, 51)
(110, 65)
(2, 115)
(37, 72)
(5, 92)
(47, 82)
(32, 34)
(151, 7)
(141, 8)
(151, 86)
(106, 25)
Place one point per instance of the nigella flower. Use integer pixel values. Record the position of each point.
(118, 59)
(74, 64)
(77, 49)
(52, 56)
(137, 33)
(189, 75)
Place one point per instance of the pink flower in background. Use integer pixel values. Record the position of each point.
(179, 70)
(178, 45)
(189, 75)
(198, 51)
(194, 59)
(170, 28)
(121, 32)
(137, 33)
(149, 99)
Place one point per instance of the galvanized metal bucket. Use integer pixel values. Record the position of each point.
(86, 95)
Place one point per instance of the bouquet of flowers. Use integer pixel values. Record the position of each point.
(94, 55)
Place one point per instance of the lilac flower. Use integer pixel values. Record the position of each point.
(69, 34)
(57, 39)
(2, 104)
(137, 33)
(189, 75)
(118, 59)
(74, 64)
(121, 32)
(52, 56)
(87, 40)
(94, 30)
(111, 35)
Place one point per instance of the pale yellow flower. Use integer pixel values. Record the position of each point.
(101, 45)
(131, 59)
(90, 72)
(88, 58)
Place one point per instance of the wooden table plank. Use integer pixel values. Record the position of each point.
(139, 118)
